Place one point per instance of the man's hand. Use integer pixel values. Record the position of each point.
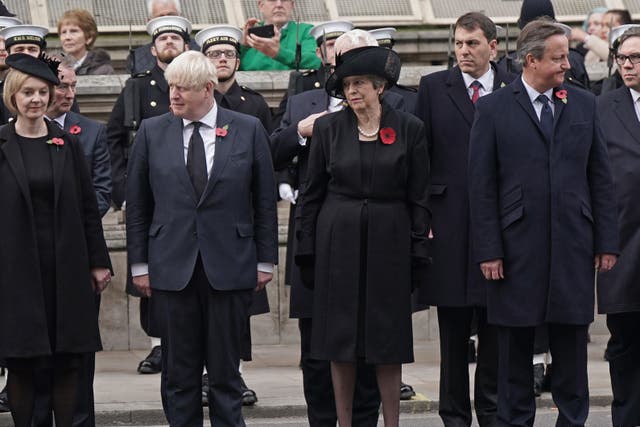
(263, 279)
(269, 46)
(142, 284)
(492, 270)
(578, 34)
(605, 262)
(305, 126)
(100, 279)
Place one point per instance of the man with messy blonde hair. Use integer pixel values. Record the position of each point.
(201, 236)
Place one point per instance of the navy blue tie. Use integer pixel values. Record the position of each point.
(546, 117)
(196, 161)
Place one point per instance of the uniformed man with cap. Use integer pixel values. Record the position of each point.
(221, 44)
(145, 95)
(386, 38)
(5, 21)
(29, 39)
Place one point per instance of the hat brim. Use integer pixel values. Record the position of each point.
(32, 66)
(369, 60)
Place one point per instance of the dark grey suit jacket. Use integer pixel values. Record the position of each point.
(232, 227)
(93, 138)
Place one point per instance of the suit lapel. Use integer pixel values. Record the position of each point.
(13, 155)
(457, 91)
(223, 149)
(623, 107)
(58, 156)
(558, 106)
(70, 120)
(522, 97)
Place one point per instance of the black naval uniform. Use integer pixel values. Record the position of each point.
(248, 101)
(149, 98)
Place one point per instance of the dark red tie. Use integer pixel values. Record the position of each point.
(475, 86)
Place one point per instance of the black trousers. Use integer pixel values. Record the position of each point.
(569, 382)
(84, 415)
(318, 388)
(623, 353)
(204, 328)
(455, 406)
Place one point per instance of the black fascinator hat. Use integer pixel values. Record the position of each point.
(368, 60)
(44, 68)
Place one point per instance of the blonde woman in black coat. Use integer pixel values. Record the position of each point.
(53, 256)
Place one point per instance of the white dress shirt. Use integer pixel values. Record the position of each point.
(635, 96)
(486, 80)
(533, 96)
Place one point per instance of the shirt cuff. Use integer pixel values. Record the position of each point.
(139, 269)
(265, 267)
(302, 140)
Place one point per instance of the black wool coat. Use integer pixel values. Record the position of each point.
(79, 247)
(619, 289)
(398, 219)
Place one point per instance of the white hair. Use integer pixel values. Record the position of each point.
(353, 39)
(150, 4)
(191, 69)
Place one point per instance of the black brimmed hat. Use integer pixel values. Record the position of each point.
(368, 60)
(42, 68)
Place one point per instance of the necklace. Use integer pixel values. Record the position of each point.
(368, 135)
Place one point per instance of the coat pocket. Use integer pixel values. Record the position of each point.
(587, 212)
(437, 189)
(245, 230)
(154, 230)
(510, 198)
(512, 216)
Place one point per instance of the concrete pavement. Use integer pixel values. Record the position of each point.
(123, 397)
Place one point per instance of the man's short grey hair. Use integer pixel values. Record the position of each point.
(354, 39)
(191, 69)
(531, 40)
(150, 4)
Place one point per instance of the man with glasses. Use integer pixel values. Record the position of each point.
(618, 290)
(291, 47)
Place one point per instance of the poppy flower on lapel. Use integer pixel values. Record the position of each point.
(75, 129)
(222, 132)
(387, 136)
(562, 95)
(56, 141)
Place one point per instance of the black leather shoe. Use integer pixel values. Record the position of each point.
(406, 391)
(4, 400)
(249, 397)
(546, 383)
(538, 378)
(205, 390)
(472, 351)
(152, 364)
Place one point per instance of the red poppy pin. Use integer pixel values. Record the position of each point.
(387, 136)
(222, 132)
(58, 142)
(75, 129)
(562, 95)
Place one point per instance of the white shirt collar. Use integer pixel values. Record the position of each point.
(60, 119)
(208, 119)
(533, 94)
(486, 80)
(634, 95)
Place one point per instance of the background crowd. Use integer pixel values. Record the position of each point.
(495, 192)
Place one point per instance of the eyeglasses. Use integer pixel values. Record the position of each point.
(634, 58)
(215, 54)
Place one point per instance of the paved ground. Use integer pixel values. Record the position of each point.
(125, 397)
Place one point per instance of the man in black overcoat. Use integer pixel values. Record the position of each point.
(454, 284)
(619, 289)
(543, 221)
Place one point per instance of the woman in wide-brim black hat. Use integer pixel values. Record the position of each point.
(53, 257)
(364, 229)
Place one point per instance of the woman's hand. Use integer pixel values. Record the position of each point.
(100, 279)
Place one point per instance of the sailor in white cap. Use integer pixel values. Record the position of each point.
(5, 21)
(386, 36)
(29, 39)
